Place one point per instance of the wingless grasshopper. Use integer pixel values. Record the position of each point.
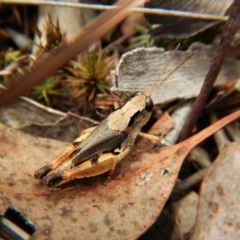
(99, 149)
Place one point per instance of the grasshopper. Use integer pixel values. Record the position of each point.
(99, 149)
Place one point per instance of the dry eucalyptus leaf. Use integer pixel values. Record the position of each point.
(123, 209)
(176, 220)
(163, 228)
(65, 129)
(26, 111)
(139, 69)
(219, 206)
(179, 27)
(41, 121)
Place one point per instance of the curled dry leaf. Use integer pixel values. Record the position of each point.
(139, 68)
(226, 96)
(123, 209)
(179, 27)
(218, 211)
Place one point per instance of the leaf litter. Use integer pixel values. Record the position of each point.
(87, 200)
(146, 174)
(123, 209)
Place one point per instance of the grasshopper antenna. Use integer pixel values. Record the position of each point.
(178, 66)
(157, 84)
(162, 71)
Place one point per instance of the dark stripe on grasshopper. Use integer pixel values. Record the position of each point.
(107, 144)
(133, 118)
(52, 179)
(40, 173)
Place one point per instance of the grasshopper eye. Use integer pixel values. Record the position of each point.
(149, 104)
(136, 94)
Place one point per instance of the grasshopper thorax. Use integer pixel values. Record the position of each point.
(133, 114)
(148, 105)
(143, 105)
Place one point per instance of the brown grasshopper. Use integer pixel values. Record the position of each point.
(99, 149)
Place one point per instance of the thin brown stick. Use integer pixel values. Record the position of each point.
(227, 37)
(185, 186)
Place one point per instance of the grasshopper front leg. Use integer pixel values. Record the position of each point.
(64, 156)
(93, 167)
(150, 137)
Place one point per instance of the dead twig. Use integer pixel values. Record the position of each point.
(227, 37)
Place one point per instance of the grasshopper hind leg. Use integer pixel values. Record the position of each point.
(63, 157)
(116, 159)
(41, 172)
(105, 162)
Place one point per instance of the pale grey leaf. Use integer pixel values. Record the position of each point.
(139, 69)
(178, 27)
